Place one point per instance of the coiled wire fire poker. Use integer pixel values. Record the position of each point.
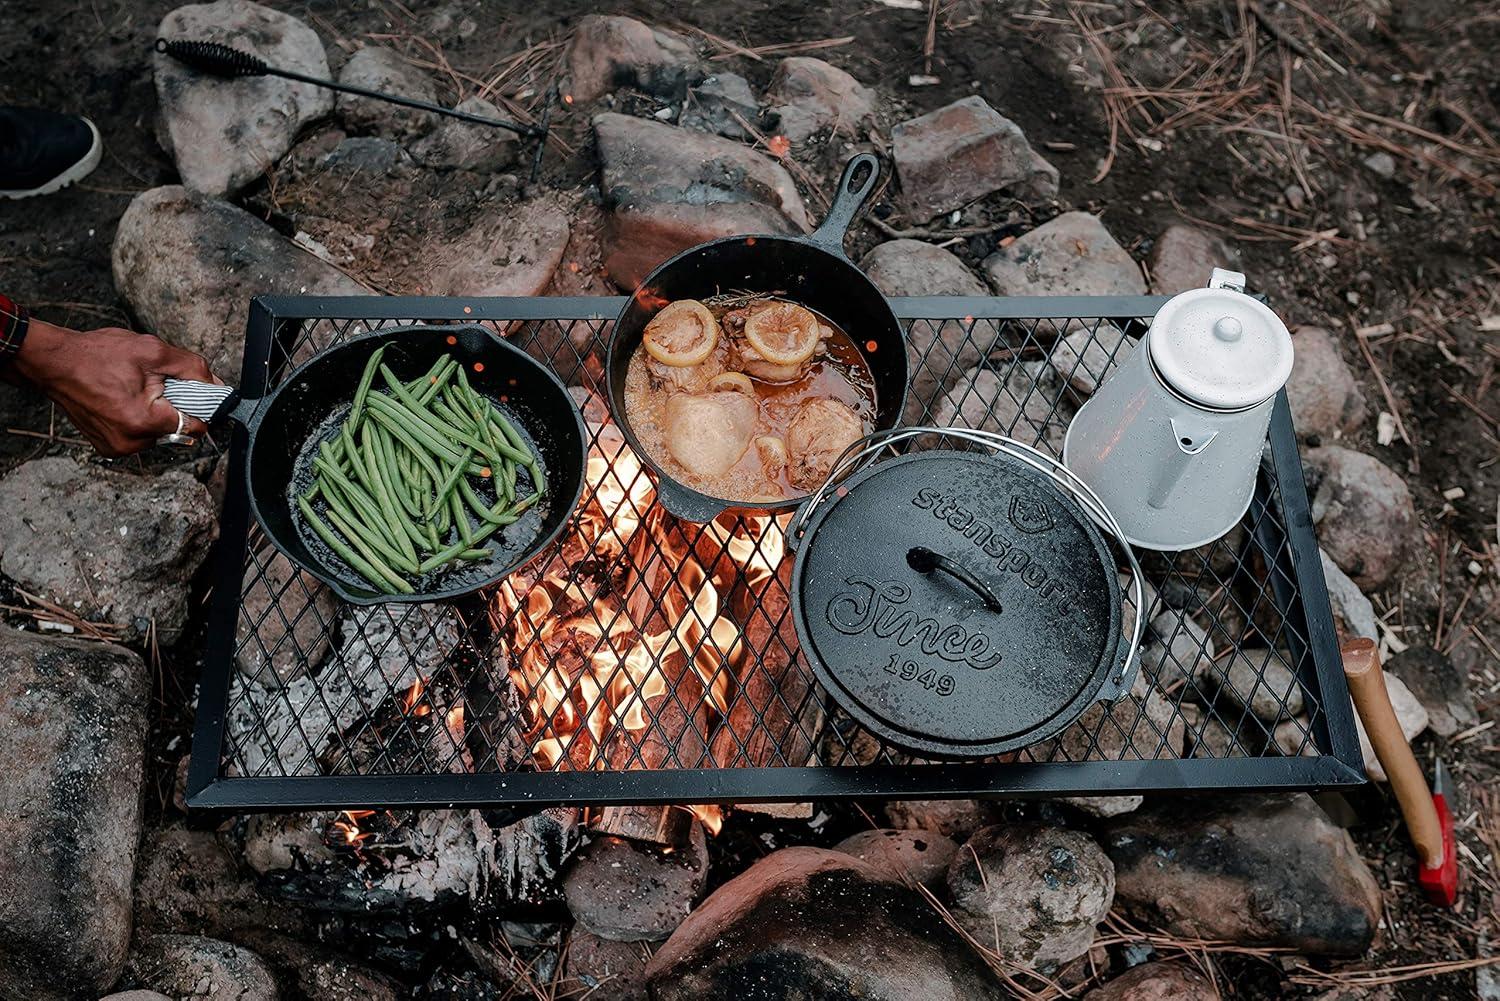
(225, 61)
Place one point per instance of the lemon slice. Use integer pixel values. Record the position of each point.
(682, 335)
(734, 382)
(782, 333)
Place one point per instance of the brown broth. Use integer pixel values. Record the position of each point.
(837, 372)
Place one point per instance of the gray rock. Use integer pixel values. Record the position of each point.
(196, 879)
(511, 253)
(1410, 713)
(1255, 870)
(466, 146)
(668, 188)
(1352, 612)
(935, 351)
(1183, 257)
(310, 970)
(1364, 513)
(1104, 806)
(136, 996)
(1155, 982)
(1032, 894)
(285, 620)
(110, 545)
(953, 818)
(378, 68)
(1017, 407)
(1381, 164)
(1085, 358)
(366, 155)
(810, 95)
(1138, 728)
(811, 923)
(1440, 685)
(1206, 735)
(191, 966)
(1071, 255)
(72, 734)
(714, 103)
(921, 856)
(1293, 738)
(1325, 398)
(189, 266)
(608, 51)
(1176, 646)
(1255, 680)
(223, 134)
(630, 892)
(963, 151)
(615, 970)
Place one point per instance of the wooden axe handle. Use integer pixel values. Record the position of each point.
(1373, 703)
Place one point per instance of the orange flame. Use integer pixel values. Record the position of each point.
(409, 700)
(348, 828)
(712, 817)
(650, 298)
(594, 664)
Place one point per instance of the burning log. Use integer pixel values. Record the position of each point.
(661, 825)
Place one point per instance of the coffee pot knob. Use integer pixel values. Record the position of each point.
(1228, 329)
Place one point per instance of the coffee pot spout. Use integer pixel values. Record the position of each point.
(1191, 439)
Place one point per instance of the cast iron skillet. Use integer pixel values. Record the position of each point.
(308, 405)
(811, 270)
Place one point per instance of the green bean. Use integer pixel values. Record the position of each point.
(417, 410)
(362, 502)
(420, 434)
(532, 461)
(363, 390)
(459, 548)
(436, 384)
(392, 469)
(365, 511)
(388, 505)
(367, 540)
(475, 554)
(460, 518)
(450, 482)
(425, 379)
(477, 504)
(383, 578)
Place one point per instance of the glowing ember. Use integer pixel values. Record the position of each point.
(409, 700)
(598, 665)
(779, 146)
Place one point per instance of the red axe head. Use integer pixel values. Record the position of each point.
(1440, 882)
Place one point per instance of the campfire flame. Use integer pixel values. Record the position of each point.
(711, 816)
(347, 829)
(409, 704)
(592, 661)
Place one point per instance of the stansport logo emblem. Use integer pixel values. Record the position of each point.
(873, 605)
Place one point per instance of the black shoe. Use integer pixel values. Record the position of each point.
(43, 151)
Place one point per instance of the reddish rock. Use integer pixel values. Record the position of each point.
(1325, 398)
(630, 892)
(1033, 894)
(810, 95)
(669, 188)
(935, 351)
(1364, 513)
(811, 923)
(1155, 982)
(614, 970)
(1184, 257)
(515, 252)
(1071, 255)
(922, 856)
(954, 818)
(963, 151)
(608, 51)
(1253, 870)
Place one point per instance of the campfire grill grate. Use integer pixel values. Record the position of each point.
(639, 691)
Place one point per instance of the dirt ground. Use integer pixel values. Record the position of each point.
(1204, 110)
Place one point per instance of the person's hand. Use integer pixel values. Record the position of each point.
(110, 382)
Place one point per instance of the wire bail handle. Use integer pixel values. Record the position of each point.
(865, 452)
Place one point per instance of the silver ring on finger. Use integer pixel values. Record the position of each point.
(177, 438)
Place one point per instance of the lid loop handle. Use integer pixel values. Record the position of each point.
(1234, 281)
(925, 561)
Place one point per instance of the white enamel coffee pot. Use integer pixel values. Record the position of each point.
(1172, 441)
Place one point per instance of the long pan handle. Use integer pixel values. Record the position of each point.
(1373, 703)
(207, 401)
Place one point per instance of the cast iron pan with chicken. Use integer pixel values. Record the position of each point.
(811, 272)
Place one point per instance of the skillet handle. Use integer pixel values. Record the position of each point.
(207, 401)
(847, 203)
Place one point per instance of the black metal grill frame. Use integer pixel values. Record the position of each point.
(1278, 556)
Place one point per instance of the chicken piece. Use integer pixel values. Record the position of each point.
(707, 433)
(817, 436)
(776, 340)
(689, 379)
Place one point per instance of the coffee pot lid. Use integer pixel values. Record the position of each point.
(1219, 347)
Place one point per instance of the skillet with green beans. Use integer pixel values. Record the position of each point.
(418, 477)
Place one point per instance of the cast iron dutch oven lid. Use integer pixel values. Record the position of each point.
(958, 604)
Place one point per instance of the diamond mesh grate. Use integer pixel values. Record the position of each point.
(639, 644)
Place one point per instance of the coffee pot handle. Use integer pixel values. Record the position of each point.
(1190, 441)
